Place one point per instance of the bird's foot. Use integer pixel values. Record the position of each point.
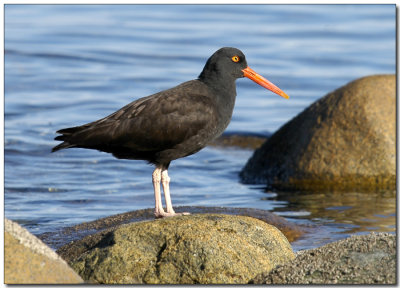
(162, 214)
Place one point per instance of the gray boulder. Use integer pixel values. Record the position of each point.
(366, 259)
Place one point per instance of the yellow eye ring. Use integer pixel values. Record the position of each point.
(235, 58)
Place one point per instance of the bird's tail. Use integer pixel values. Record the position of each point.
(66, 133)
(62, 146)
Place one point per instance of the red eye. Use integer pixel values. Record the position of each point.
(235, 58)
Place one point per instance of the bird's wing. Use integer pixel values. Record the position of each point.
(152, 123)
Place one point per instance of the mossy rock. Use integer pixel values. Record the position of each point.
(203, 248)
(67, 236)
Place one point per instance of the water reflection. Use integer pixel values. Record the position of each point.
(350, 211)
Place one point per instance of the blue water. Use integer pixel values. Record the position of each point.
(66, 65)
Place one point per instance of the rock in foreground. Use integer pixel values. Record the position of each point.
(59, 238)
(28, 261)
(204, 248)
(345, 139)
(367, 259)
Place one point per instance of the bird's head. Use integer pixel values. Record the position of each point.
(229, 62)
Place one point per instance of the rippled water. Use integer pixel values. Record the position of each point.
(67, 65)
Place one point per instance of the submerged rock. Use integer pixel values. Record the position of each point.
(203, 248)
(240, 140)
(27, 260)
(366, 259)
(345, 139)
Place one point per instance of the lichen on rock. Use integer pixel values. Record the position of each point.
(203, 248)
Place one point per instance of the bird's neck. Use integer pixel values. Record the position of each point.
(224, 95)
(222, 85)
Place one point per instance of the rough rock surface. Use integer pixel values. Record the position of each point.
(367, 259)
(59, 238)
(27, 260)
(345, 139)
(203, 248)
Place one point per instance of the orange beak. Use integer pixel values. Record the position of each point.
(251, 74)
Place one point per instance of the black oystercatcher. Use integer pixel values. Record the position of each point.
(170, 124)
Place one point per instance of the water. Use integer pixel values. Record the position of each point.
(67, 65)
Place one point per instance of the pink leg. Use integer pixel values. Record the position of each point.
(165, 184)
(158, 211)
(160, 174)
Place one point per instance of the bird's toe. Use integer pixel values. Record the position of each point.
(169, 214)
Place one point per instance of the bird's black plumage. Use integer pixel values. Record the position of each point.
(170, 124)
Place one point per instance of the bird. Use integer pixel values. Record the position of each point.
(170, 124)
